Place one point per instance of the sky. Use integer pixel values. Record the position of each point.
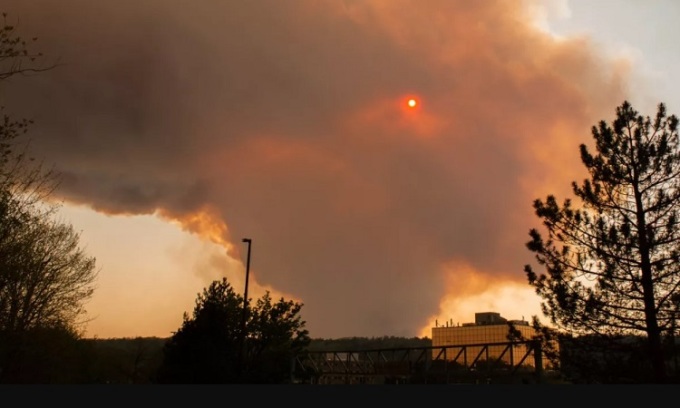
(181, 127)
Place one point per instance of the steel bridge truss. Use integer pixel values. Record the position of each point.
(421, 364)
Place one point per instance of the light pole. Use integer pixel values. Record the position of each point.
(245, 292)
(241, 362)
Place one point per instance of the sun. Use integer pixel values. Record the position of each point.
(409, 104)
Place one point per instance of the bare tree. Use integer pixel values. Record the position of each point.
(15, 56)
(44, 275)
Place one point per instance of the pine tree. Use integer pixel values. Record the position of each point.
(612, 262)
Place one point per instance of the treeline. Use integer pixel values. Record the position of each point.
(58, 358)
(51, 356)
(368, 343)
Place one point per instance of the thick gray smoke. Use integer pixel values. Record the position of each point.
(287, 119)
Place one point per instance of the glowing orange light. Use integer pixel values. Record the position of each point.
(409, 105)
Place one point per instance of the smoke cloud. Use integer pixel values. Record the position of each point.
(285, 122)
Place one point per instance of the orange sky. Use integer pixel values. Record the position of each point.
(181, 130)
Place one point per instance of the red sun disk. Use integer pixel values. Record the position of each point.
(410, 103)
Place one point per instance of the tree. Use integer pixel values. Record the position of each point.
(15, 56)
(275, 334)
(209, 348)
(22, 181)
(45, 276)
(611, 263)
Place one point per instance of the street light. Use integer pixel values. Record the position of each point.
(241, 361)
(245, 292)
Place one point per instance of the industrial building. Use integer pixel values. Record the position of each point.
(474, 341)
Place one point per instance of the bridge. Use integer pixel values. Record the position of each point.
(507, 362)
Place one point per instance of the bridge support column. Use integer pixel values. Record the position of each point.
(538, 361)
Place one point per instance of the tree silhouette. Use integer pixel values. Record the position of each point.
(209, 348)
(274, 335)
(15, 56)
(45, 276)
(611, 263)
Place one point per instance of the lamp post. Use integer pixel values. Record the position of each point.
(241, 362)
(245, 292)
